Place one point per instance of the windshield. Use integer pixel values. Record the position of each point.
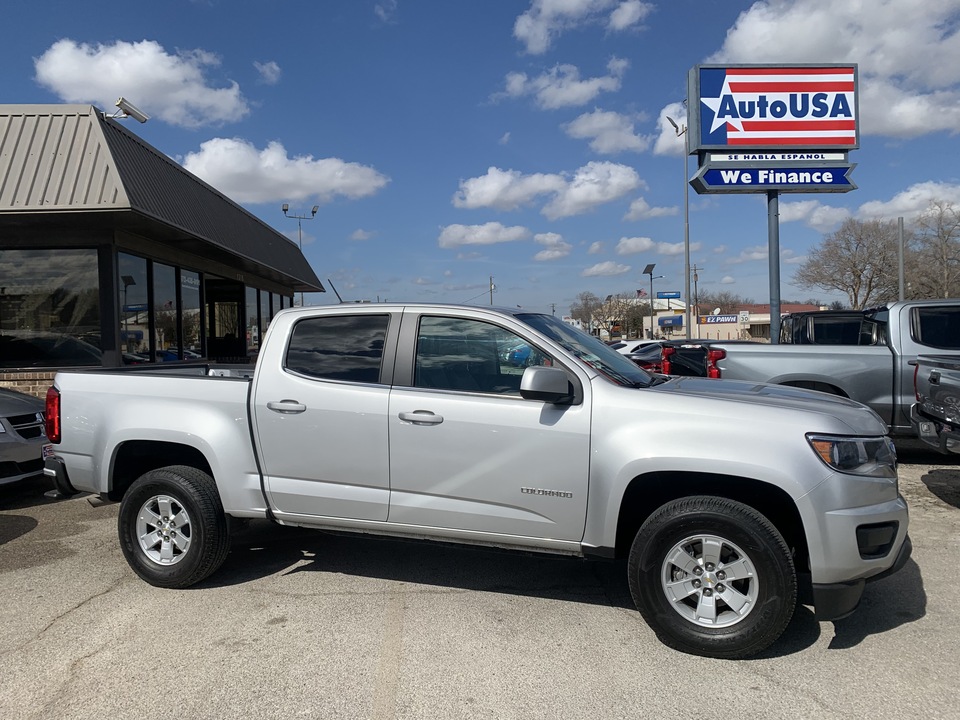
(590, 350)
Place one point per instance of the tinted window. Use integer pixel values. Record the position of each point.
(473, 356)
(342, 347)
(937, 327)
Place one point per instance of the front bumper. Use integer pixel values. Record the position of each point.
(936, 433)
(834, 601)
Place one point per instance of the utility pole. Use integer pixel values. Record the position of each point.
(553, 309)
(696, 295)
(492, 288)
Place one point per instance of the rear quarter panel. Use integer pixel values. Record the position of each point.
(102, 411)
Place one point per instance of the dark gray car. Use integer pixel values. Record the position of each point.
(21, 436)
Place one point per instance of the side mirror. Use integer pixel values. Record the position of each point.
(548, 384)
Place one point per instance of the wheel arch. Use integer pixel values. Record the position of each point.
(136, 457)
(818, 385)
(646, 493)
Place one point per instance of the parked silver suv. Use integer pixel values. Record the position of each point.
(21, 436)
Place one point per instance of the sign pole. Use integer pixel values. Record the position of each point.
(773, 241)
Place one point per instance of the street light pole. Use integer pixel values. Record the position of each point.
(648, 270)
(299, 218)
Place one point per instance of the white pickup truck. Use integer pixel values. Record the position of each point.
(730, 501)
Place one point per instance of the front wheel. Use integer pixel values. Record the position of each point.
(173, 531)
(712, 577)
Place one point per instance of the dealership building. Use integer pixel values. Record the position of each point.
(112, 254)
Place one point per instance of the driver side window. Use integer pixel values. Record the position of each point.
(472, 356)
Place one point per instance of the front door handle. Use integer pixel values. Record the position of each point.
(287, 407)
(421, 417)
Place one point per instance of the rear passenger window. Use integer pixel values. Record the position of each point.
(338, 347)
(937, 327)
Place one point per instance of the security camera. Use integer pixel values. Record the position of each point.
(131, 110)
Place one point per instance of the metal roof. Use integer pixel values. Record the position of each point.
(72, 158)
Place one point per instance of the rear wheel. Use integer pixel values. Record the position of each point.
(712, 577)
(172, 528)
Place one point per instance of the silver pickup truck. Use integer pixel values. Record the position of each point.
(875, 370)
(936, 414)
(730, 502)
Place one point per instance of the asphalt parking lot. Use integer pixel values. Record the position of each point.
(307, 624)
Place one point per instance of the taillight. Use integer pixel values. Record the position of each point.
(52, 415)
(665, 353)
(713, 355)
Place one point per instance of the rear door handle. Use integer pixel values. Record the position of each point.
(421, 417)
(287, 407)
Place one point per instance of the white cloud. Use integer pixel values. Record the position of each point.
(505, 189)
(748, 254)
(269, 72)
(593, 184)
(911, 202)
(908, 54)
(608, 132)
(606, 269)
(491, 233)
(630, 246)
(546, 20)
(640, 210)
(248, 175)
(504, 139)
(172, 88)
(359, 235)
(595, 248)
(814, 214)
(386, 11)
(561, 86)
(555, 246)
(728, 280)
(629, 14)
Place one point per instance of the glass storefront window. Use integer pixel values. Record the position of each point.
(253, 313)
(165, 312)
(134, 310)
(190, 300)
(49, 308)
(265, 316)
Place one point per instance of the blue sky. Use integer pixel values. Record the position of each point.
(448, 141)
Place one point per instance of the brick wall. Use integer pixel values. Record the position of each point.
(27, 381)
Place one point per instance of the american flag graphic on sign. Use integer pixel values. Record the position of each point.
(776, 107)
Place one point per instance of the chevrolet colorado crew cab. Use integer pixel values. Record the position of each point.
(729, 501)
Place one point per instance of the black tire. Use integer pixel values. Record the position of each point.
(173, 531)
(706, 609)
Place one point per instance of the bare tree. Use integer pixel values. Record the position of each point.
(936, 266)
(860, 260)
(728, 302)
(585, 307)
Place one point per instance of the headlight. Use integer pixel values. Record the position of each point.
(870, 456)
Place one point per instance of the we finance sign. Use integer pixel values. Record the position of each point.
(767, 107)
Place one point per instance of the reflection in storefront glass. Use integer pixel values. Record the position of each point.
(49, 308)
(190, 299)
(134, 315)
(252, 329)
(165, 311)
